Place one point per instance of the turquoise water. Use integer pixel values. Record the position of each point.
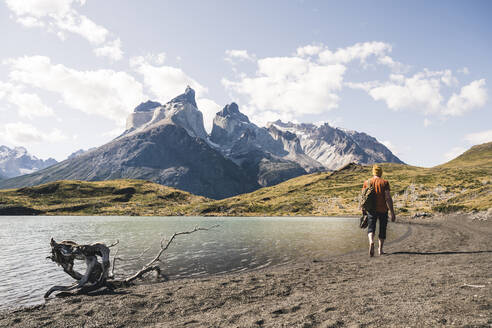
(237, 244)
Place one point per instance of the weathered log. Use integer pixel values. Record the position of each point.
(97, 274)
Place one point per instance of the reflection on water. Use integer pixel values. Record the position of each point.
(238, 244)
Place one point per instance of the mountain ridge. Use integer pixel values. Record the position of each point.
(167, 144)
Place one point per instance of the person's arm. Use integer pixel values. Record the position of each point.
(389, 202)
(364, 185)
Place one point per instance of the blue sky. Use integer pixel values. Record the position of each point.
(415, 75)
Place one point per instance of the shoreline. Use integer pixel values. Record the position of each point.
(423, 283)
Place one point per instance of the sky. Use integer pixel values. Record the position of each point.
(415, 75)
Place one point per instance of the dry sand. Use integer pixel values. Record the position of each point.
(423, 281)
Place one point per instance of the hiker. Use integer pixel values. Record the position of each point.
(383, 202)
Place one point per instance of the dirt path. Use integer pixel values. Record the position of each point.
(421, 282)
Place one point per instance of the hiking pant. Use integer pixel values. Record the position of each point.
(383, 222)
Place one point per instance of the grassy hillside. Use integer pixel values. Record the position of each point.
(464, 183)
(114, 197)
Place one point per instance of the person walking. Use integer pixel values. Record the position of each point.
(383, 203)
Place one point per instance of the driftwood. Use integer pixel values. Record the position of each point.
(97, 273)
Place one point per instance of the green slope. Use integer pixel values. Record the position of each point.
(113, 197)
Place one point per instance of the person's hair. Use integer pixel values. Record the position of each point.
(377, 170)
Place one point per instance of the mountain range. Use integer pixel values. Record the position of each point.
(168, 144)
(17, 161)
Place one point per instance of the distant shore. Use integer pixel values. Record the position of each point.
(439, 275)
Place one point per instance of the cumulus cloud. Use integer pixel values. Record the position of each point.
(23, 133)
(60, 16)
(423, 91)
(479, 137)
(309, 50)
(308, 82)
(103, 92)
(111, 49)
(29, 105)
(291, 85)
(471, 96)
(359, 51)
(165, 82)
(241, 55)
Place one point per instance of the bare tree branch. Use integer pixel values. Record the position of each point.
(115, 257)
(97, 273)
(150, 266)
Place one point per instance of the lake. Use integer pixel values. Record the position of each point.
(238, 244)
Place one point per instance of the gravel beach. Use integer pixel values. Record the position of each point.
(438, 274)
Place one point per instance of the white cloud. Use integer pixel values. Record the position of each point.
(83, 26)
(29, 105)
(30, 22)
(106, 93)
(423, 92)
(427, 122)
(414, 92)
(39, 8)
(59, 17)
(308, 82)
(309, 50)
(23, 133)
(165, 82)
(208, 108)
(291, 85)
(454, 152)
(242, 55)
(471, 96)
(479, 137)
(359, 51)
(111, 50)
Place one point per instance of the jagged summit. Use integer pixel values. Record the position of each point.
(232, 110)
(181, 110)
(147, 106)
(187, 97)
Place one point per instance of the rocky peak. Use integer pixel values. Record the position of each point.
(232, 111)
(187, 97)
(276, 132)
(147, 106)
